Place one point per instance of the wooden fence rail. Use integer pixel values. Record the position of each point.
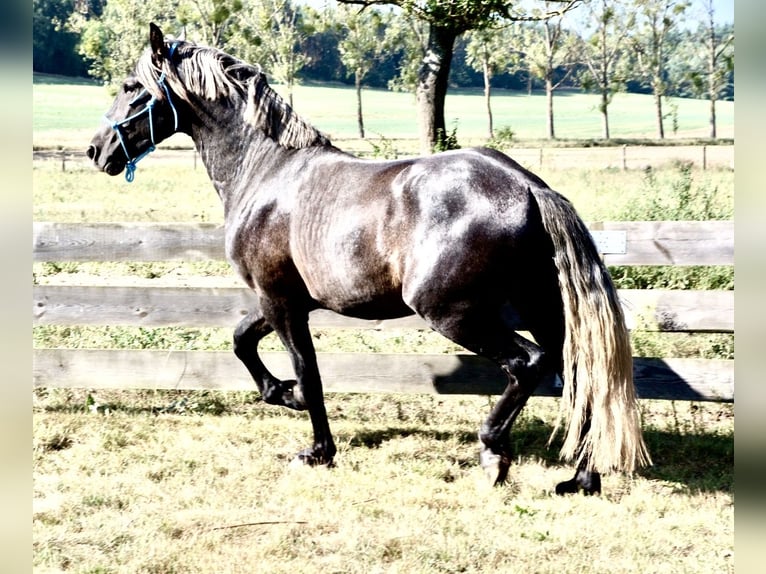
(599, 157)
(645, 243)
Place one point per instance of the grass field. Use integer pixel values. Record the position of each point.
(163, 482)
(67, 114)
(148, 484)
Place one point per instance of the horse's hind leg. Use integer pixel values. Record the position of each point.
(487, 334)
(524, 370)
(587, 481)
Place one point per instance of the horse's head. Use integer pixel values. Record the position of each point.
(143, 113)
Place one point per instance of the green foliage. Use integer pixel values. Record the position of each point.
(384, 148)
(673, 277)
(331, 109)
(446, 141)
(682, 345)
(53, 42)
(679, 199)
(491, 51)
(363, 40)
(270, 33)
(115, 41)
(117, 337)
(502, 138)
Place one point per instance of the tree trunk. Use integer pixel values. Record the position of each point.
(359, 118)
(711, 73)
(605, 112)
(432, 86)
(487, 94)
(549, 97)
(658, 107)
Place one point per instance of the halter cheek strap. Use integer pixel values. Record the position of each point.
(130, 165)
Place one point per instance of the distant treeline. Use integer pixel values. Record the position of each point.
(94, 37)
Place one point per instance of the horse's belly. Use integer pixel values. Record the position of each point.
(354, 293)
(378, 309)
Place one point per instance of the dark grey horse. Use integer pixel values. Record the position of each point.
(468, 240)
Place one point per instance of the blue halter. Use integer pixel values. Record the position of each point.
(130, 166)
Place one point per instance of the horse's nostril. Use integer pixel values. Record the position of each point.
(91, 152)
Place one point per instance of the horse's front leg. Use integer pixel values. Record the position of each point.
(306, 392)
(292, 326)
(274, 391)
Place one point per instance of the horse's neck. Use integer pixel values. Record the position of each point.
(238, 157)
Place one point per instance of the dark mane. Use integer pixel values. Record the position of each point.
(213, 75)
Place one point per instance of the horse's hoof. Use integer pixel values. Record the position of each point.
(495, 466)
(309, 457)
(567, 487)
(587, 482)
(285, 394)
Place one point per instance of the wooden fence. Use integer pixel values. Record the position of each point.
(536, 158)
(626, 243)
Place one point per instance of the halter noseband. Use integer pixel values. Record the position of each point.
(130, 166)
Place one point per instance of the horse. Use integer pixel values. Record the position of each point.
(467, 239)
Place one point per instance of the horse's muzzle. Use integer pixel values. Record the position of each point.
(111, 167)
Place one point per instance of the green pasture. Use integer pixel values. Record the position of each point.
(65, 114)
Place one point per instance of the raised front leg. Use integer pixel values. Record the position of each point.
(247, 335)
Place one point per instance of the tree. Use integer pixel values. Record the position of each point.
(360, 47)
(714, 75)
(602, 52)
(409, 37)
(55, 38)
(270, 32)
(551, 53)
(116, 40)
(649, 41)
(448, 19)
(211, 18)
(489, 52)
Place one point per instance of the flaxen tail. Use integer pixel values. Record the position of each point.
(598, 363)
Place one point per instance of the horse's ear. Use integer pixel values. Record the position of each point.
(157, 42)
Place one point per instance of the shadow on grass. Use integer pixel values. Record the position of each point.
(696, 462)
(691, 458)
(373, 438)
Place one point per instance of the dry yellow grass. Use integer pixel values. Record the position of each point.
(160, 493)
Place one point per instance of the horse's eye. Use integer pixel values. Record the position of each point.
(130, 86)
